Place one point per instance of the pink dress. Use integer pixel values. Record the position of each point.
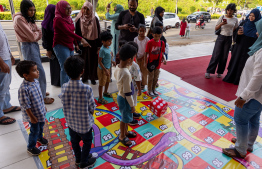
(183, 28)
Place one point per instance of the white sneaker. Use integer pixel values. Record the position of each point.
(151, 94)
(155, 93)
(207, 75)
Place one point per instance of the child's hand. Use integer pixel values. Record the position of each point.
(92, 112)
(133, 109)
(107, 73)
(114, 63)
(164, 62)
(33, 120)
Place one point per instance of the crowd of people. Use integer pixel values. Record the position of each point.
(137, 57)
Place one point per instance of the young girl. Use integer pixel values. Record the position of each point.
(141, 41)
(29, 34)
(188, 30)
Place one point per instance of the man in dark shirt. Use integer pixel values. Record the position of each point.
(128, 22)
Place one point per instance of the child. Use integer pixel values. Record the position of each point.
(78, 105)
(188, 30)
(104, 66)
(121, 43)
(136, 80)
(32, 104)
(141, 41)
(125, 96)
(154, 50)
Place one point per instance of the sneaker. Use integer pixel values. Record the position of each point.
(155, 93)
(89, 164)
(133, 123)
(79, 161)
(34, 151)
(207, 75)
(42, 141)
(151, 94)
(136, 115)
(219, 75)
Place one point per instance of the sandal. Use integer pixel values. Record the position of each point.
(107, 95)
(48, 100)
(13, 109)
(131, 134)
(234, 140)
(125, 141)
(2, 122)
(207, 75)
(47, 94)
(229, 152)
(102, 101)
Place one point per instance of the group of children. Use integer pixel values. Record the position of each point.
(77, 97)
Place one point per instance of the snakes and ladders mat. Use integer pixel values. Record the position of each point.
(190, 135)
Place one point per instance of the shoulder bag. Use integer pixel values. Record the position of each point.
(217, 32)
(153, 65)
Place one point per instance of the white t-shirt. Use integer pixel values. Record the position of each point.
(227, 29)
(141, 46)
(188, 26)
(136, 74)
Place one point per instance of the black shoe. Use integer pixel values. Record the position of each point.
(34, 151)
(79, 161)
(91, 162)
(42, 141)
(93, 82)
(136, 115)
(133, 123)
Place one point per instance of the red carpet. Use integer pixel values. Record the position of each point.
(193, 71)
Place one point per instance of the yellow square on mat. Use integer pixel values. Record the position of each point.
(113, 128)
(224, 107)
(143, 147)
(233, 164)
(159, 122)
(224, 120)
(99, 125)
(118, 151)
(190, 127)
(194, 148)
(171, 94)
(223, 143)
(169, 85)
(198, 107)
(141, 107)
(259, 139)
(44, 157)
(99, 113)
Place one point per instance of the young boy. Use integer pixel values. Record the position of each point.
(155, 49)
(126, 89)
(78, 105)
(104, 65)
(32, 104)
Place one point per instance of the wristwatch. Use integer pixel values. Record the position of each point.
(241, 98)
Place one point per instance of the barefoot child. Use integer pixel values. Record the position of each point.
(78, 105)
(126, 89)
(141, 41)
(32, 104)
(104, 66)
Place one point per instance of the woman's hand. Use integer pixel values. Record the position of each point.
(240, 31)
(49, 54)
(85, 43)
(240, 102)
(132, 29)
(108, 6)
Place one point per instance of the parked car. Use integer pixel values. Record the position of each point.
(196, 15)
(169, 19)
(75, 13)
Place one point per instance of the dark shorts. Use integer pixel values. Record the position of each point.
(125, 109)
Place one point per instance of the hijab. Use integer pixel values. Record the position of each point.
(49, 17)
(60, 11)
(258, 44)
(249, 26)
(119, 8)
(88, 22)
(158, 11)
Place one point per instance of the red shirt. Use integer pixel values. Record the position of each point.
(153, 48)
(64, 34)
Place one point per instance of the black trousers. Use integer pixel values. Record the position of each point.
(220, 54)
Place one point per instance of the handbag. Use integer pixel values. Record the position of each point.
(153, 65)
(217, 32)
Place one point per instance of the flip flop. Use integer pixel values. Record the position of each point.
(124, 141)
(237, 154)
(4, 119)
(47, 93)
(131, 134)
(13, 109)
(49, 100)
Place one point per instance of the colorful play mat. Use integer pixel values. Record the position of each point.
(189, 135)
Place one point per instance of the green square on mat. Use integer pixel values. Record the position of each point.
(148, 131)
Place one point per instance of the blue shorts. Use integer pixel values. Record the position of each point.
(125, 109)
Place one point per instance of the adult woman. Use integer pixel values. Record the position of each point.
(244, 40)
(183, 26)
(249, 102)
(47, 42)
(29, 34)
(115, 33)
(159, 14)
(228, 23)
(64, 36)
(88, 27)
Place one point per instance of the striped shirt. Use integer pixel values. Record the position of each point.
(30, 97)
(78, 103)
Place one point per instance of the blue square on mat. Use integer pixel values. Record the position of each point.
(211, 113)
(106, 135)
(217, 128)
(148, 131)
(186, 112)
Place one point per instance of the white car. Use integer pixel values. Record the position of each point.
(75, 13)
(169, 19)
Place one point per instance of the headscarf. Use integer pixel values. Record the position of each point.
(49, 17)
(184, 20)
(258, 44)
(158, 11)
(88, 22)
(60, 11)
(119, 8)
(249, 26)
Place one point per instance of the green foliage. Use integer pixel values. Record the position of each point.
(203, 9)
(8, 16)
(192, 9)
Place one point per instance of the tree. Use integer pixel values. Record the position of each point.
(215, 3)
(192, 9)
